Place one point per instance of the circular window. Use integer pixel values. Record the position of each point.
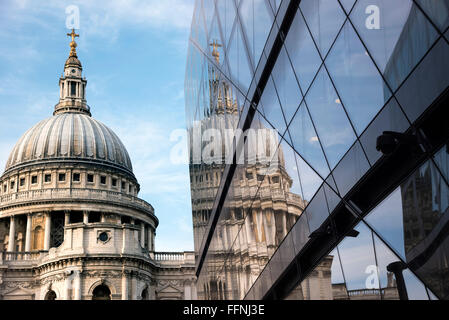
(103, 236)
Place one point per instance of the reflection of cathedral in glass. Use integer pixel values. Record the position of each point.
(260, 210)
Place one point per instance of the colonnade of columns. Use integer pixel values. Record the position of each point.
(12, 233)
(146, 233)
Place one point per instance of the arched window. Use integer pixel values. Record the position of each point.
(51, 295)
(144, 294)
(38, 238)
(101, 292)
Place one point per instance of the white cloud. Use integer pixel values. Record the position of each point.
(173, 14)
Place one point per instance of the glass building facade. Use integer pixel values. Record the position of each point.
(339, 110)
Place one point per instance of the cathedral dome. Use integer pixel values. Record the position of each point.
(72, 61)
(70, 137)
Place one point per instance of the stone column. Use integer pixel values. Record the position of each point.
(193, 290)
(28, 234)
(284, 224)
(187, 290)
(68, 287)
(12, 234)
(134, 288)
(149, 237)
(77, 285)
(125, 291)
(85, 217)
(66, 218)
(102, 218)
(142, 234)
(47, 231)
(152, 240)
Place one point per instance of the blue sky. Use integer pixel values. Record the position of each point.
(134, 55)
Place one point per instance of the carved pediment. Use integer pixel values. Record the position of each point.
(168, 289)
(18, 293)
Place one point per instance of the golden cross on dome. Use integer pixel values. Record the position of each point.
(73, 43)
(215, 53)
(73, 34)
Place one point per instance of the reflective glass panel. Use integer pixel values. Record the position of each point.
(324, 19)
(415, 288)
(238, 61)
(305, 141)
(438, 11)
(391, 118)
(347, 4)
(226, 12)
(271, 109)
(361, 87)
(310, 181)
(396, 34)
(386, 219)
(302, 51)
(387, 280)
(317, 211)
(426, 82)
(350, 169)
(257, 19)
(332, 125)
(359, 264)
(286, 85)
(300, 233)
(325, 282)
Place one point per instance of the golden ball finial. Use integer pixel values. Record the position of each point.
(73, 43)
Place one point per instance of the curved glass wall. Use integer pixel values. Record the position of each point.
(342, 74)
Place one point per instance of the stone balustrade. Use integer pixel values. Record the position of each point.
(72, 194)
(37, 255)
(21, 256)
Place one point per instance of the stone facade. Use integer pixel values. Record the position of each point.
(71, 224)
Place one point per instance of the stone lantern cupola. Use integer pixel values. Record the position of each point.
(72, 96)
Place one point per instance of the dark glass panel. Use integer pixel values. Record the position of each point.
(332, 198)
(427, 82)
(438, 11)
(324, 282)
(300, 233)
(391, 118)
(414, 220)
(317, 211)
(442, 161)
(350, 169)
